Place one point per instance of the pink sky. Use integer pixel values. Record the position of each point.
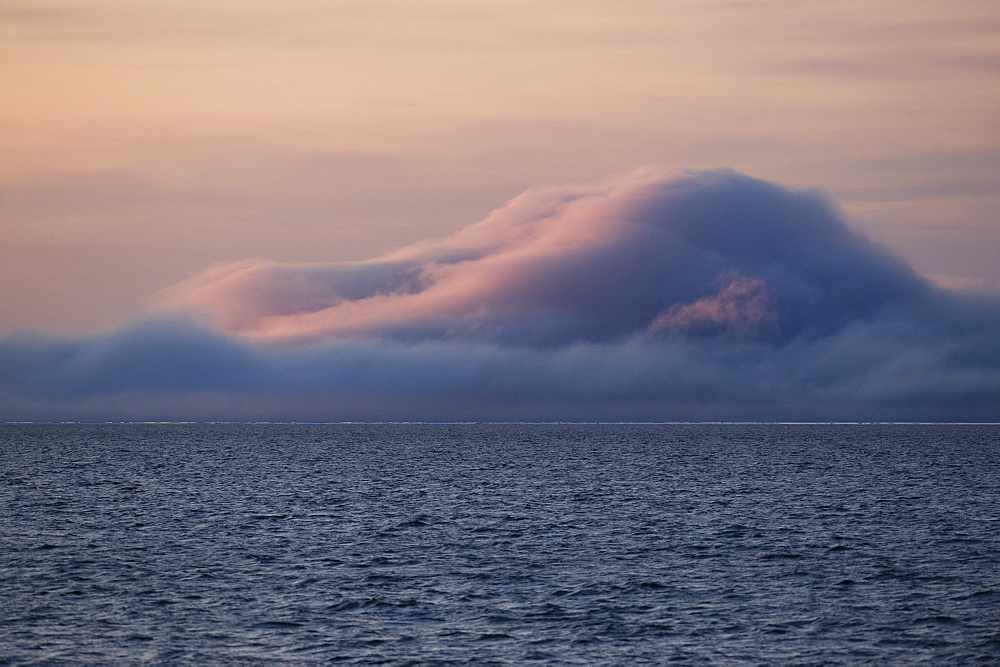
(141, 143)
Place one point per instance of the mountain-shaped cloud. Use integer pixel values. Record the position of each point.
(579, 264)
(657, 295)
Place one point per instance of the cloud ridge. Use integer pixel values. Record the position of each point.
(656, 295)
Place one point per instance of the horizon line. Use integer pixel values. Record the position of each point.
(492, 422)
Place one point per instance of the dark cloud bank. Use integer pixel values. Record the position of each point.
(693, 296)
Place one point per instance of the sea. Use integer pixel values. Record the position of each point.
(499, 543)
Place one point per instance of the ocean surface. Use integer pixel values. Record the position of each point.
(486, 543)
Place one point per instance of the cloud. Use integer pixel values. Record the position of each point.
(659, 295)
(568, 264)
(741, 306)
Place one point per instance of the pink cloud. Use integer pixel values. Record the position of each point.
(506, 265)
(741, 306)
(651, 295)
(554, 265)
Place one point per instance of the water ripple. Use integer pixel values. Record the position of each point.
(509, 543)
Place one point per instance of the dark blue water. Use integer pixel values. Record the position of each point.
(550, 543)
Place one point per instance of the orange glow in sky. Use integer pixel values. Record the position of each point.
(143, 142)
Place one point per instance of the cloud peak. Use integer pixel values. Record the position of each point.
(594, 263)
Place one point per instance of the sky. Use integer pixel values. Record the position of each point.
(388, 209)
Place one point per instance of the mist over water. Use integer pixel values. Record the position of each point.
(656, 296)
(518, 542)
